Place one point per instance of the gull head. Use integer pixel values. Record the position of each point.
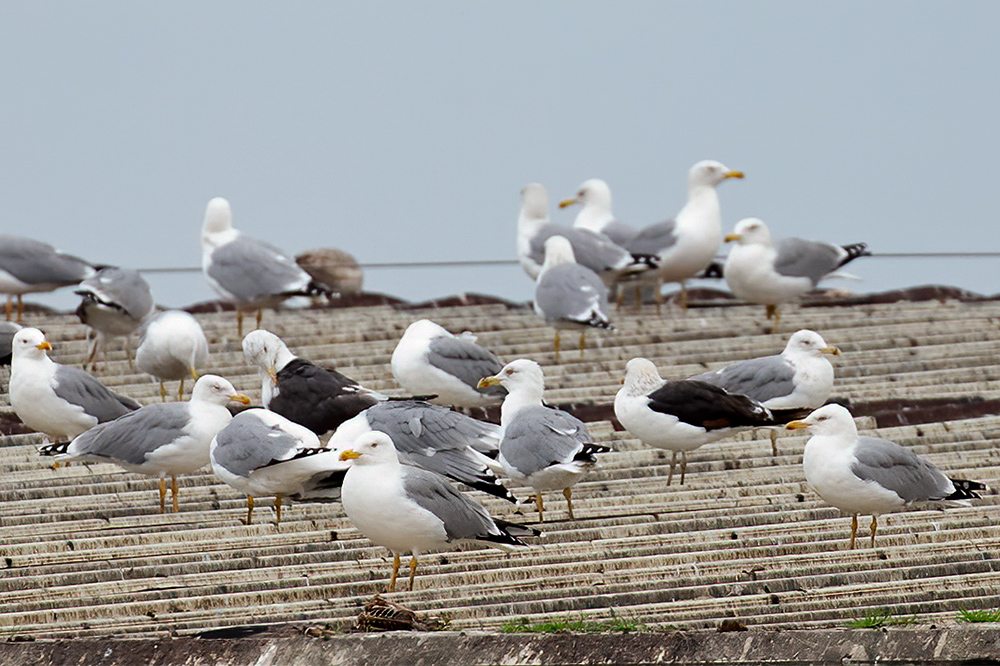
(422, 329)
(827, 420)
(218, 217)
(518, 376)
(709, 173)
(216, 390)
(534, 202)
(641, 376)
(264, 349)
(750, 231)
(29, 343)
(558, 250)
(809, 342)
(594, 192)
(371, 448)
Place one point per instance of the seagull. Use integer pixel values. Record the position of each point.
(686, 245)
(115, 301)
(410, 510)
(263, 453)
(681, 416)
(246, 272)
(57, 400)
(800, 377)
(159, 439)
(29, 266)
(546, 448)
(568, 295)
(594, 197)
(867, 475)
(172, 346)
(758, 270)
(430, 360)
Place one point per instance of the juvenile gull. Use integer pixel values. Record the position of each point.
(758, 270)
(867, 475)
(57, 400)
(681, 416)
(246, 272)
(172, 346)
(430, 360)
(263, 453)
(411, 510)
(29, 266)
(159, 439)
(543, 447)
(115, 302)
(568, 295)
(800, 377)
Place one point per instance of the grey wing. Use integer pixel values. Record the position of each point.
(136, 434)
(619, 233)
(463, 518)
(463, 359)
(595, 251)
(247, 444)
(809, 259)
(79, 388)
(654, 239)
(122, 288)
(33, 262)
(760, 378)
(540, 437)
(250, 269)
(571, 292)
(899, 470)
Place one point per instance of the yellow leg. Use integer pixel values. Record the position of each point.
(20, 308)
(673, 461)
(619, 298)
(163, 392)
(277, 508)
(777, 318)
(180, 391)
(395, 571)
(260, 313)
(874, 527)
(93, 354)
(173, 492)
(249, 508)
(128, 350)
(769, 310)
(163, 494)
(555, 345)
(684, 299)
(774, 442)
(239, 323)
(583, 342)
(413, 570)
(10, 306)
(539, 506)
(684, 465)
(567, 493)
(854, 530)
(638, 298)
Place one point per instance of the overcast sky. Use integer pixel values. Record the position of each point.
(404, 131)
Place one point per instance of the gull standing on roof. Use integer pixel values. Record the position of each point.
(800, 377)
(867, 475)
(687, 244)
(57, 400)
(411, 510)
(758, 270)
(172, 346)
(115, 302)
(568, 295)
(159, 439)
(426, 435)
(546, 448)
(430, 360)
(681, 416)
(29, 266)
(263, 453)
(246, 272)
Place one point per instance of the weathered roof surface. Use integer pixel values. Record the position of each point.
(84, 553)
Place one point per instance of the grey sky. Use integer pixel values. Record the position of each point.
(404, 131)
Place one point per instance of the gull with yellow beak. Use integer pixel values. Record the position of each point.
(411, 510)
(867, 475)
(759, 270)
(800, 377)
(163, 439)
(172, 346)
(57, 400)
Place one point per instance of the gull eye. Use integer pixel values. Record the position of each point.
(374, 444)
(510, 371)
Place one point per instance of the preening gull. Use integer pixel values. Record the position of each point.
(114, 302)
(800, 377)
(57, 400)
(28, 266)
(687, 244)
(172, 346)
(867, 475)
(263, 453)
(681, 416)
(246, 272)
(568, 295)
(159, 439)
(411, 510)
(758, 270)
(430, 360)
(546, 448)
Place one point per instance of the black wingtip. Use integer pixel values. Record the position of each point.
(965, 489)
(511, 533)
(712, 272)
(54, 449)
(491, 486)
(854, 251)
(588, 452)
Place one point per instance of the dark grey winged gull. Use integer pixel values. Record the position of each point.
(431, 360)
(867, 475)
(172, 346)
(546, 448)
(29, 266)
(758, 270)
(246, 272)
(57, 400)
(115, 302)
(411, 510)
(260, 453)
(163, 439)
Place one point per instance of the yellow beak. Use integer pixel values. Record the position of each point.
(44, 344)
(734, 174)
(349, 454)
(486, 382)
(733, 237)
(273, 374)
(835, 351)
(796, 425)
(568, 202)
(240, 398)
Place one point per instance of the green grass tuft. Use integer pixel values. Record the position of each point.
(876, 619)
(979, 615)
(567, 626)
